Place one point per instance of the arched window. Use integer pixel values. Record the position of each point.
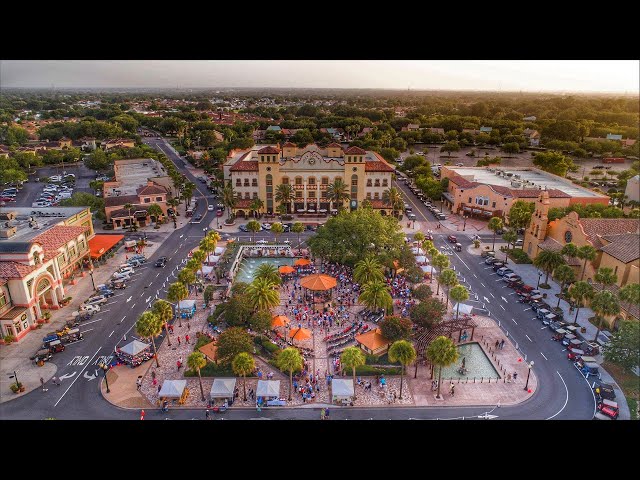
(354, 180)
(312, 180)
(285, 180)
(298, 180)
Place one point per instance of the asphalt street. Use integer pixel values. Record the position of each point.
(562, 392)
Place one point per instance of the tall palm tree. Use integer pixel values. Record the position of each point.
(277, 229)
(269, 272)
(403, 352)
(256, 205)
(441, 353)
(495, 224)
(570, 250)
(581, 292)
(459, 294)
(352, 357)
(588, 254)
(199, 257)
(129, 206)
(263, 294)
(566, 276)
(368, 270)
(196, 361)
(440, 261)
(605, 277)
(630, 293)
(289, 360)
(548, 261)
(393, 197)
(229, 199)
(418, 237)
(338, 193)
(253, 226)
(448, 279)
(285, 195)
(163, 310)
(207, 245)
(155, 212)
(176, 293)
(298, 228)
(375, 295)
(187, 192)
(186, 276)
(215, 236)
(604, 304)
(149, 325)
(243, 364)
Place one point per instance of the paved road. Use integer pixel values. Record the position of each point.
(562, 392)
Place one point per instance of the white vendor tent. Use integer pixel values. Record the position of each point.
(172, 388)
(417, 251)
(212, 259)
(187, 304)
(342, 389)
(218, 251)
(223, 388)
(206, 270)
(428, 269)
(422, 259)
(135, 348)
(464, 308)
(268, 388)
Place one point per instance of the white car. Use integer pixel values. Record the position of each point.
(211, 208)
(262, 242)
(121, 276)
(127, 270)
(90, 308)
(97, 300)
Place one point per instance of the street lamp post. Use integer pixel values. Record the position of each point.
(529, 366)
(92, 280)
(105, 369)
(464, 225)
(539, 277)
(15, 375)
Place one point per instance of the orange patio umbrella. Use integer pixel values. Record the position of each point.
(300, 334)
(280, 321)
(285, 269)
(302, 262)
(318, 282)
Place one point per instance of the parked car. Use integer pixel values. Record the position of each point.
(411, 216)
(161, 262)
(210, 208)
(489, 260)
(452, 239)
(90, 308)
(266, 226)
(96, 300)
(488, 253)
(519, 242)
(503, 271)
(126, 269)
(497, 265)
(243, 228)
(105, 292)
(511, 277)
(121, 276)
(219, 213)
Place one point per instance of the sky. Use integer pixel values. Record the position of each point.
(615, 76)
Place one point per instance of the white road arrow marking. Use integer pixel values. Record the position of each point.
(486, 416)
(181, 236)
(148, 299)
(129, 299)
(62, 377)
(504, 299)
(90, 377)
(486, 299)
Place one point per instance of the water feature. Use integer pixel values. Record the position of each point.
(476, 362)
(248, 266)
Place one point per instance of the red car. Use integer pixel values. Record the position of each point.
(219, 213)
(452, 239)
(609, 408)
(7, 199)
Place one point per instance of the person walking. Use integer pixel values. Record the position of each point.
(139, 383)
(452, 388)
(42, 384)
(326, 414)
(186, 338)
(207, 414)
(142, 415)
(515, 375)
(179, 340)
(322, 414)
(497, 345)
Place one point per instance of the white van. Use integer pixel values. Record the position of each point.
(40, 204)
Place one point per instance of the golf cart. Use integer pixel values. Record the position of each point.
(41, 356)
(559, 335)
(575, 354)
(608, 408)
(604, 391)
(567, 339)
(458, 247)
(587, 369)
(55, 347)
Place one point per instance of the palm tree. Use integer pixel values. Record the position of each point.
(277, 229)
(298, 228)
(176, 293)
(604, 304)
(352, 357)
(214, 236)
(207, 245)
(269, 272)
(149, 325)
(459, 294)
(375, 295)
(566, 276)
(495, 224)
(441, 261)
(196, 361)
(284, 195)
(289, 360)
(403, 352)
(229, 198)
(630, 293)
(448, 279)
(586, 253)
(605, 277)
(581, 292)
(129, 206)
(263, 294)
(256, 206)
(442, 352)
(368, 270)
(337, 193)
(548, 261)
(570, 250)
(199, 257)
(253, 226)
(187, 192)
(418, 237)
(163, 310)
(155, 212)
(186, 276)
(393, 197)
(243, 364)
(510, 236)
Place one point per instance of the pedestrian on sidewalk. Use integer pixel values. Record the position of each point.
(326, 414)
(179, 340)
(515, 375)
(322, 414)
(207, 414)
(139, 383)
(186, 338)
(188, 326)
(452, 389)
(497, 345)
(142, 415)
(502, 344)
(42, 384)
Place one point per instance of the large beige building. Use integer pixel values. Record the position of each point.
(257, 173)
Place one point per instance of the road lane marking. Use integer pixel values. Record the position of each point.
(111, 334)
(492, 295)
(528, 338)
(129, 299)
(133, 306)
(74, 380)
(142, 295)
(527, 309)
(502, 307)
(512, 293)
(513, 320)
(158, 274)
(505, 300)
(566, 399)
(542, 327)
(544, 356)
(483, 285)
(475, 275)
(119, 295)
(122, 320)
(85, 331)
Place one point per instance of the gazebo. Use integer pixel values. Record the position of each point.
(318, 282)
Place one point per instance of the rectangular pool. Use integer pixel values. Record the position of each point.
(476, 362)
(248, 266)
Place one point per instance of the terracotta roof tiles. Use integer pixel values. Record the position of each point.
(152, 190)
(245, 166)
(269, 149)
(377, 166)
(10, 270)
(597, 227)
(624, 247)
(355, 151)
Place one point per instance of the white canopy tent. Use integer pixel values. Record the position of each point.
(206, 270)
(422, 259)
(212, 259)
(135, 348)
(268, 388)
(186, 304)
(464, 308)
(223, 388)
(417, 251)
(218, 251)
(342, 389)
(172, 388)
(428, 269)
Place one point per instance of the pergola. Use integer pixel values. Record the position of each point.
(423, 338)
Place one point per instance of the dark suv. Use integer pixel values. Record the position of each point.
(161, 262)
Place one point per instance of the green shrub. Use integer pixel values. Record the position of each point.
(202, 341)
(544, 286)
(9, 338)
(212, 370)
(519, 256)
(369, 370)
(270, 346)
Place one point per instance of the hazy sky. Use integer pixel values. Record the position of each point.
(526, 75)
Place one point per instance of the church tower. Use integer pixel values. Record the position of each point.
(537, 230)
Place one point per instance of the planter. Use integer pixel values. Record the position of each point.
(34, 326)
(22, 389)
(583, 329)
(40, 321)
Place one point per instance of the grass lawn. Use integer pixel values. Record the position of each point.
(629, 383)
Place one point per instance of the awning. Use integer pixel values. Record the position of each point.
(172, 388)
(186, 304)
(223, 388)
(342, 388)
(135, 348)
(448, 196)
(268, 388)
(464, 308)
(101, 244)
(205, 269)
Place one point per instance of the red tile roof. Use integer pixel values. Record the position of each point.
(121, 200)
(597, 227)
(57, 237)
(624, 247)
(152, 190)
(535, 193)
(15, 270)
(289, 145)
(242, 166)
(462, 182)
(377, 166)
(269, 149)
(379, 204)
(355, 151)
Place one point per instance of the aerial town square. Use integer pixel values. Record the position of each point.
(201, 249)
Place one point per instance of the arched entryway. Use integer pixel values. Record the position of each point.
(46, 293)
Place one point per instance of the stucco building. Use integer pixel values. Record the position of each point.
(256, 173)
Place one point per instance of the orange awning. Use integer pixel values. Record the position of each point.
(300, 333)
(318, 282)
(285, 269)
(101, 244)
(301, 262)
(280, 321)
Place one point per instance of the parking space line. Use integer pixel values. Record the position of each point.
(492, 295)
(502, 307)
(475, 275)
(544, 356)
(111, 334)
(514, 321)
(528, 338)
(483, 285)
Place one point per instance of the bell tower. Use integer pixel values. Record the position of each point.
(537, 230)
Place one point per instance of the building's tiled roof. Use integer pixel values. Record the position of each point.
(462, 182)
(597, 227)
(121, 200)
(152, 190)
(372, 339)
(268, 149)
(56, 237)
(377, 166)
(242, 166)
(289, 145)
(624, 247)
(10, 270)
(124, 212)
(554, 246)
(355, 151)
(15, 247)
